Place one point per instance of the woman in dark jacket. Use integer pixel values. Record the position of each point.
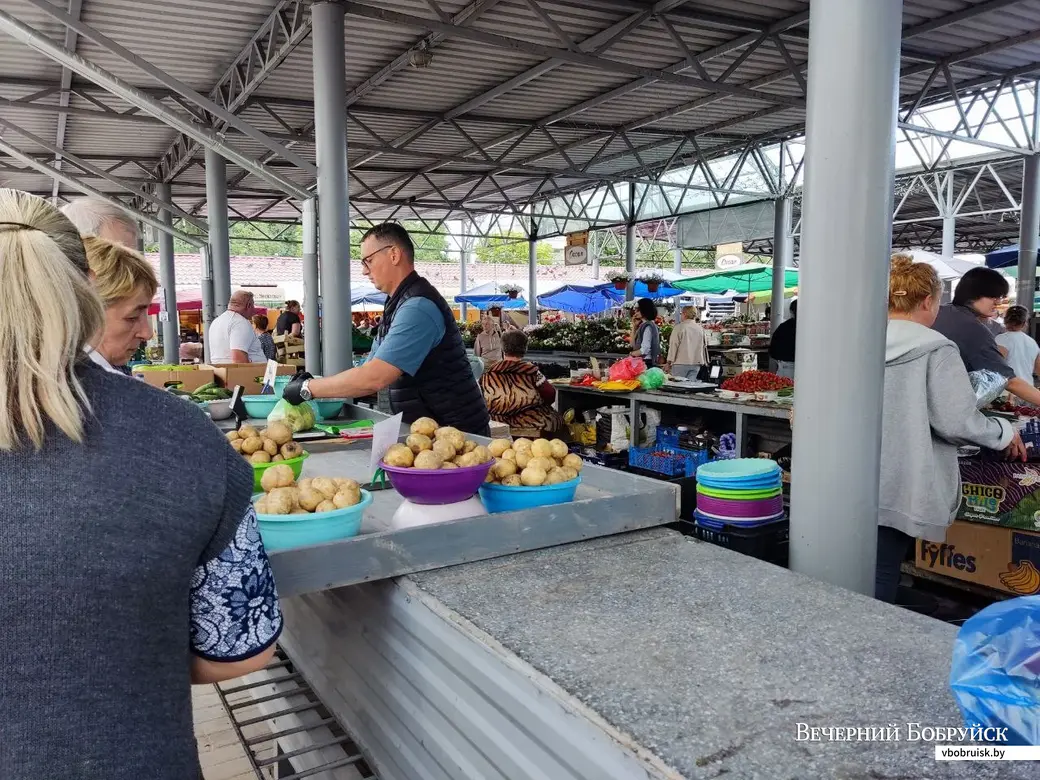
(646, 336)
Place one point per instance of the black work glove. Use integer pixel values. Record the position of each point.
(292, 390)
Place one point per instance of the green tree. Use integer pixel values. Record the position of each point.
(511, 248)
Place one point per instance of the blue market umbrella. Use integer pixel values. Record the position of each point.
(1002, 258)
(577, 299)
(640, 290)
(484, 296)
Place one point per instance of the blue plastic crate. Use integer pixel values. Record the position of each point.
(670, 461)
(667, 437)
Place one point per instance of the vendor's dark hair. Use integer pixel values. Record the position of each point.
(514, 343)
(394, 233)
(980, 283)
(794, 308)
(1016, 316)
(647, 309)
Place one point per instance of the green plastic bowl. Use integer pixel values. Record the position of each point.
(282, 532)
(296, 464)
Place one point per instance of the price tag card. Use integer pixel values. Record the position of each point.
(269, 374)
(384, 435)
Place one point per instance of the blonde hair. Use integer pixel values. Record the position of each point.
(118, 272)
(43, 267)
(909, 283)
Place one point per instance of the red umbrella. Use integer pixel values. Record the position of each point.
(189, 300)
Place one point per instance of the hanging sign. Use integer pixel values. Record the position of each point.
(576, 255)
(578, 239)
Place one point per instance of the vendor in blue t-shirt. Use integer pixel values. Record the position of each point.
(417, 351)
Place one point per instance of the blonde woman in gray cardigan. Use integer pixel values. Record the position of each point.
(929, 411)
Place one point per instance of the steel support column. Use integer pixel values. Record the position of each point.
(532, 275)
(849, 174)
(208, 303)
(311, 293)
(630, 259)
(1029, 228)
(330, 133)
(219, 240)
(463, 263)
(594, 251)
(677, 260)
(782, 250)
(171, 331)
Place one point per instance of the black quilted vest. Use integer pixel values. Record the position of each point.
(444, 387)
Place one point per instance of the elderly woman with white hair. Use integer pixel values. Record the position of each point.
(687, 346)
(96, 217)
(120, 587)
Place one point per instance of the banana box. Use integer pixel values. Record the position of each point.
(1000, 493)
(1005, 559)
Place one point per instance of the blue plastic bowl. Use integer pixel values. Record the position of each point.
(259, 406)
(503, 498)
(327, 410)
(281, 381)
(281, 532)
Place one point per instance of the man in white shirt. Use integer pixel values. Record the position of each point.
(231, 335)
(1022, 351)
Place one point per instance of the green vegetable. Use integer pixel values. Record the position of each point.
(299, 418)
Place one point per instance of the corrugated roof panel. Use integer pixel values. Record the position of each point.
(18, 60)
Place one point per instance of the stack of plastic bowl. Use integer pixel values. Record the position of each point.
(746, 492)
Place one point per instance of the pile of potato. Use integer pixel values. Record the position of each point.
(431, 448)
(532, 463)
(284, 496)
(271, 445)
(523, 462)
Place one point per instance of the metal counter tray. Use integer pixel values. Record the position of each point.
(608, 502)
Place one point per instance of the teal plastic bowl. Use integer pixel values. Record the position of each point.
(327, 410)
(259, 406)
(502, 498)
(282, 532)
(281, 381)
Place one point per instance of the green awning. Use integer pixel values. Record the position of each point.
(746, 279)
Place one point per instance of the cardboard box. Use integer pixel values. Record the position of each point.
(190, 378)
(249, 375)
(1004, 559)
(999, 493)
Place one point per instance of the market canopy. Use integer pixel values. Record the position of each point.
(640, 290)
(947, 267)
(582, 297)
(485, 296)
(743, 279)
(187, 300)
(364, 293)
(1002, 258)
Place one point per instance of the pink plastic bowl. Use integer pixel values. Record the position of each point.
(721, 507)
(443, 486)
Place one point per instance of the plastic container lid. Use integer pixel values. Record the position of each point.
(739, 468)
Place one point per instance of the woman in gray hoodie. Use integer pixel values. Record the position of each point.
(929, 411)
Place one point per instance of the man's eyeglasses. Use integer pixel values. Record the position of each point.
(366, 262)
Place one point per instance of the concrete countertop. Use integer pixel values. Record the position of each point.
(711, 659)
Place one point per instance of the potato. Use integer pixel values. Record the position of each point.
(454, 436)
(428, 460)
(299, 511)
(345, 498)
(555, 476)
(310, 498)
(498, 446)
(541, 448)
(466, 460)
(304, 483)
(399, 455)
(260, 505)
(277, 458)
(468, 446)
(490, 476)
(444, 449)
(326, 506)
(270, 447)
(276, 477)
(259, 457)
(448, 465)
(504, 468)
(569, 472)
(559, 448)
(509, 454)
(346, 483)
(523, 458)
(236, 445)
(481, 454)
(426, 426)
(533, 477)
(291, 449)
(521, 445)
(418, 442)
(574, 462)
(279, 433)
(252, 444)
(513, 480)
(232, 436)
(325, 486)
(545, 464)
(279, 503)
(247, 431)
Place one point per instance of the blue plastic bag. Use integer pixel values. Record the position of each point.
(995, 676)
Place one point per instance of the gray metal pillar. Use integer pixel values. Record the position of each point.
(630, 259)
(208, 305)
(311, 293)
(677, 260)
(1028, 228)
(532, 276)
(140, 238)
(949, 218)
(330, 133)
(168, 320)
(594, 251)
(463, 263)
(217, 216)
(782, 260)
(847, 202)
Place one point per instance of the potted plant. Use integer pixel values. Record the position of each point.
(620, 280)
(512, 290)
(652, 280)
